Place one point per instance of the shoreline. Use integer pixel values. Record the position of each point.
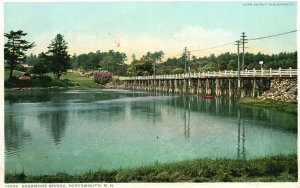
(278, 168)
(16, 89)
(287, 107)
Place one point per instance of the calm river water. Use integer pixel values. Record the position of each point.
(75, 131)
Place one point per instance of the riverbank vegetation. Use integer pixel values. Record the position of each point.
(271, 104)
(48, 80)
(281, 168)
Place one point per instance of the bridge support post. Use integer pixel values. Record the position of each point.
(198, 86)
(191, 86)
(229, 88)
(176, 86)
(146, 85)
(242, 88)
(184, 86)
(151, 85)
(254, 87)
(165, 86)
(134, 84)
(170, 89)
(207, 87)
(217, 87)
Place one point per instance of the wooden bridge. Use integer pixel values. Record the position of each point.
(231, 83)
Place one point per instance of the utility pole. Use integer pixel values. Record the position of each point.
(239, 71)
(189, 59)
(154, 68)
(184, 56)
(243, 39)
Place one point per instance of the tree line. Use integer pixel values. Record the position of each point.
(228, 61)
(58, 60)
(151, 63)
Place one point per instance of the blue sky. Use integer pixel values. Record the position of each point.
(152, 26)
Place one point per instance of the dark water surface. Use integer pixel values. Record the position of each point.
(75, 131)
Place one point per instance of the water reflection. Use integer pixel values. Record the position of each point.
(241, 155)
(187, 116)
(27, 96)
(14, 132)
(55, 123)
(227, 107)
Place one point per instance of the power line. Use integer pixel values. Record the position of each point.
(214, 47)
(229, 43)
(226, 44)
(245, 42)
(273, 35)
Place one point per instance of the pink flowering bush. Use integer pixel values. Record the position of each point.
(24, 78)
(102, 77)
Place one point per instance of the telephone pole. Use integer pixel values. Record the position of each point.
(189, 59)
(184, 56)
(154, 71)
(238, 54)
(243, 40)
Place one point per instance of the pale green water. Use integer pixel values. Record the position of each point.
(75, 131)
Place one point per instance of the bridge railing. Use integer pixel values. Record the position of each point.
(213, 74)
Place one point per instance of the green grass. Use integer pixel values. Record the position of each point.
(81, 81)
(281, 168)
(271, 104)
(15, 73)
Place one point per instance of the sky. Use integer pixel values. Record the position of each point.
(139, 27)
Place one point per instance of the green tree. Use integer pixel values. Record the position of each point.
(114, 62)
(41, 66)
(31, 59)
(15, 48)
(58, 56)
(133, 59)
(74, 61)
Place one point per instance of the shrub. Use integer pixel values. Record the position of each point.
(102, 77)
(24, 78)
(178, 71)
(42, 81)
(40, 69)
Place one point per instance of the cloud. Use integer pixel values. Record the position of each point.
(199, 37)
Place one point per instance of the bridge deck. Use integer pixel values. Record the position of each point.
(224, 74)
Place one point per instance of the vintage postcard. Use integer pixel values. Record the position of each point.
(149, 94)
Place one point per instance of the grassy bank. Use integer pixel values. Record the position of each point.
(282, 168)
(67, 80)
(271, 104)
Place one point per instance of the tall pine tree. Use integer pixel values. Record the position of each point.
(15, 48)
(58, 56)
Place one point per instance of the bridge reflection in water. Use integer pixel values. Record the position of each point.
(208, 104)
(224, 107)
